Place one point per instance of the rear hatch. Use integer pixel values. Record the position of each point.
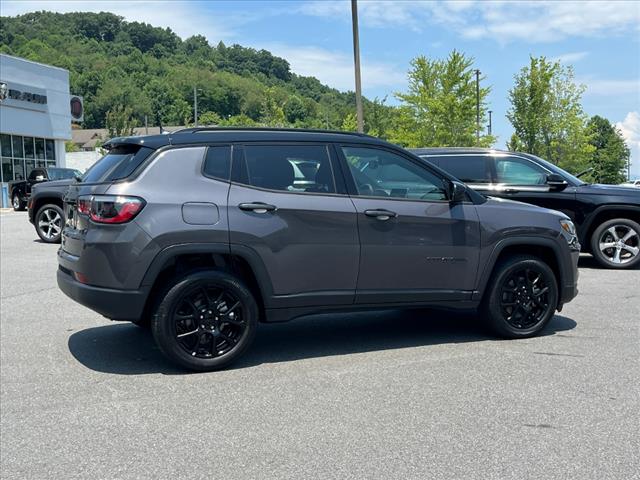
(120, 163)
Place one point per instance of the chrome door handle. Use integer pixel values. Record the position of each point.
(380, 214)
(257, 207)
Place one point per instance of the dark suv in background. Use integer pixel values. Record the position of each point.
(607, 217)
(204, 232)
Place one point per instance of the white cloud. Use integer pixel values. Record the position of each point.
(184, 18)
(571, 57)
(542, 21)
(335, 68)
(609, 87)
(630, 128)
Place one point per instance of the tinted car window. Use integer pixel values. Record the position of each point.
(119, 163)
(380, 173)
(62, 173)
(517, 171)
(467, 168)
(35, 172)
(218, 162)
(290, 168)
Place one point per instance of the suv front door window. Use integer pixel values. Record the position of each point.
(415, 244)
(518, 171)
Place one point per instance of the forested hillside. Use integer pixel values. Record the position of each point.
(151, 71)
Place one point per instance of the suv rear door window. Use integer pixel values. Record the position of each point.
(288, 168)
(467, 168)
(120, 162)
(518, 171)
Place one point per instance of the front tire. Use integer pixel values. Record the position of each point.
(49, 222)
(17, 204)
(521, 297)
(616, 243)
(205, 321)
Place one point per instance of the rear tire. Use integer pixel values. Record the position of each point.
(616, 244)
(521, 297)
(49, 222)
(206, 320)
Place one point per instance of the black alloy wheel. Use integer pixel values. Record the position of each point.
(208, 321)
(521, 297)
(524, 298)
(205, 321)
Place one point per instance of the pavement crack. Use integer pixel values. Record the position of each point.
(559, 354)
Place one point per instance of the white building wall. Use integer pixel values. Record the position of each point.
(23, 118)
(82, 160)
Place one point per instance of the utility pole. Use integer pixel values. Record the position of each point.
(489, 131)
(477, 107)
(356, 59)
(195, 106)
(146, 125)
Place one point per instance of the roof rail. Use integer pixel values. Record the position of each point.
(265, 129)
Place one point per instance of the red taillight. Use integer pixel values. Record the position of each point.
(110, 208)
(84, 205)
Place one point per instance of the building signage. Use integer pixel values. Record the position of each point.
(22, 96)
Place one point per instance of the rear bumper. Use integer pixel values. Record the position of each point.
(113, 304)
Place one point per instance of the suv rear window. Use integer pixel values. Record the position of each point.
(118, 163)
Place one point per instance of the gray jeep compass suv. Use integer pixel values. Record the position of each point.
(204, 232)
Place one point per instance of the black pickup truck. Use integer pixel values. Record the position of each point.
(20, 190)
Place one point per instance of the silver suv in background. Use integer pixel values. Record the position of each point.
(205, 232)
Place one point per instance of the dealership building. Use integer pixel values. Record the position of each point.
(35, 117)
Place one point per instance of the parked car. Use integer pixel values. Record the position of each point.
(45, 209)
(204, 232)
(20, 190)
(631, 183)
(607, 217)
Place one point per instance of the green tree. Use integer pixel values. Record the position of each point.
(120, 122)
(69, 146)
(272, 110)
(209, 118)
(547, 115)
(439, 108)
(611, 154)
(349, 123)
(295, 110)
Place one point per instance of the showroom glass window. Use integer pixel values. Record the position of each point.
(21, 154)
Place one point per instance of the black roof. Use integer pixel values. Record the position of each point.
(235, 134)
(452, 150)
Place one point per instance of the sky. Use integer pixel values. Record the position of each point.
(601, 40)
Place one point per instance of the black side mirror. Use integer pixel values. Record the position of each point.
(556, 182)
(457, 192)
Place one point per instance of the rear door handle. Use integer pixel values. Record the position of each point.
(380, 214)
(257, 207)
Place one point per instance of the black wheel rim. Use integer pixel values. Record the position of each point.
(525, 298)
(208, 322)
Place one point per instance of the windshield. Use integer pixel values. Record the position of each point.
(555, 169)
(62, 173)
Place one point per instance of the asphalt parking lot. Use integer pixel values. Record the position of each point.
(389, 395)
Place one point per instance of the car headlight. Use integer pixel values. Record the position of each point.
(569, 233)
(568, 226)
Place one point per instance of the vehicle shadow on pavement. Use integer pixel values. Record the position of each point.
(129, 350)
